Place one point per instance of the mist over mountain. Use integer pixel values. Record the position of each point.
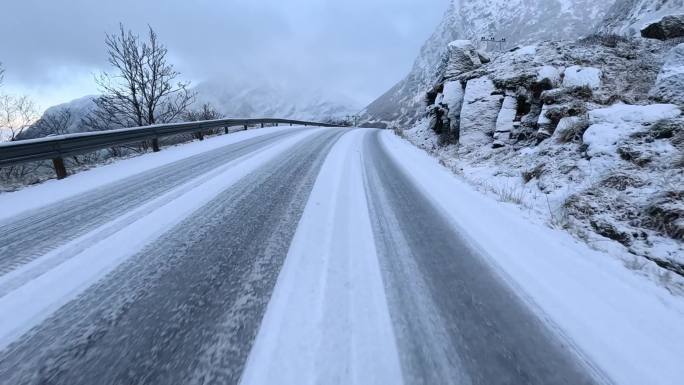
(245, 100)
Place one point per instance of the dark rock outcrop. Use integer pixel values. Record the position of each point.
(669, 27)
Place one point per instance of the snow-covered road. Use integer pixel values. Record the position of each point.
(311, 256)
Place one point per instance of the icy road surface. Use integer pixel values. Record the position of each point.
(311, 256)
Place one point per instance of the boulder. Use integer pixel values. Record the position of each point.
(506, 120)
(571, 128)
(544, 124)
(669, 27)
(669, 85)
(453, 98)
(550, 72)
(480, 112)
(462, 57)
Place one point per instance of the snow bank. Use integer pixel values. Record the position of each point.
(577, 76)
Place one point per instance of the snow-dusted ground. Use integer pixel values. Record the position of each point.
(200, 285)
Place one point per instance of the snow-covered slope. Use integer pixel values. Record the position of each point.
(628, 17)
(518, 21)
(268, 100)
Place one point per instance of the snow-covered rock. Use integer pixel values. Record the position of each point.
(611, 125)
(505, 121)
(669, 86)
(550, 72)
(527, 50)
(480, 112)
(569, 127)
(544, 123)
(453, 99)
(669, 27)
(462, 57)
(577, 76)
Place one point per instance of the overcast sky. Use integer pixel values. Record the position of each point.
(51, 49)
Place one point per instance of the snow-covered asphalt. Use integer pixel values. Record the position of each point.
(309, 256)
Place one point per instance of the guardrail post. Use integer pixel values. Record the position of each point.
(262, 125)
(200, 135)
(225, 129)
(155, 145)
(60, 169)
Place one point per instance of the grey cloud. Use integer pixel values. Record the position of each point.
(357, 47)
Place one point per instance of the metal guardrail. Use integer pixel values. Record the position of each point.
(55, 148)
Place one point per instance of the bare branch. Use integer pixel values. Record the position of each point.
(16, 115)
(142, 89)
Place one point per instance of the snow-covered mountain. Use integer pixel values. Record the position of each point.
(628, 17)
(269, 100)
(65, 118)
(232, 100)
(518, 21)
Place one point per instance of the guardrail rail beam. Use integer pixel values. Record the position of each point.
(56, 148)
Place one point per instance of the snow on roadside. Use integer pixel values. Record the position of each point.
(624, 323)
(328, 320)
(33, 300)
(51, 191)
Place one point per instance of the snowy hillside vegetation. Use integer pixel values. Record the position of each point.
(587, 133)
(518, 21)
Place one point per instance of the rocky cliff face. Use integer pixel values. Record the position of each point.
(587, 133)
(629, 17)
(518, 21)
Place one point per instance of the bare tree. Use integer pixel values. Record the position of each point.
(55, 123)
(16, 115)
(2, 74)
(143, 88)
(205, 112)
